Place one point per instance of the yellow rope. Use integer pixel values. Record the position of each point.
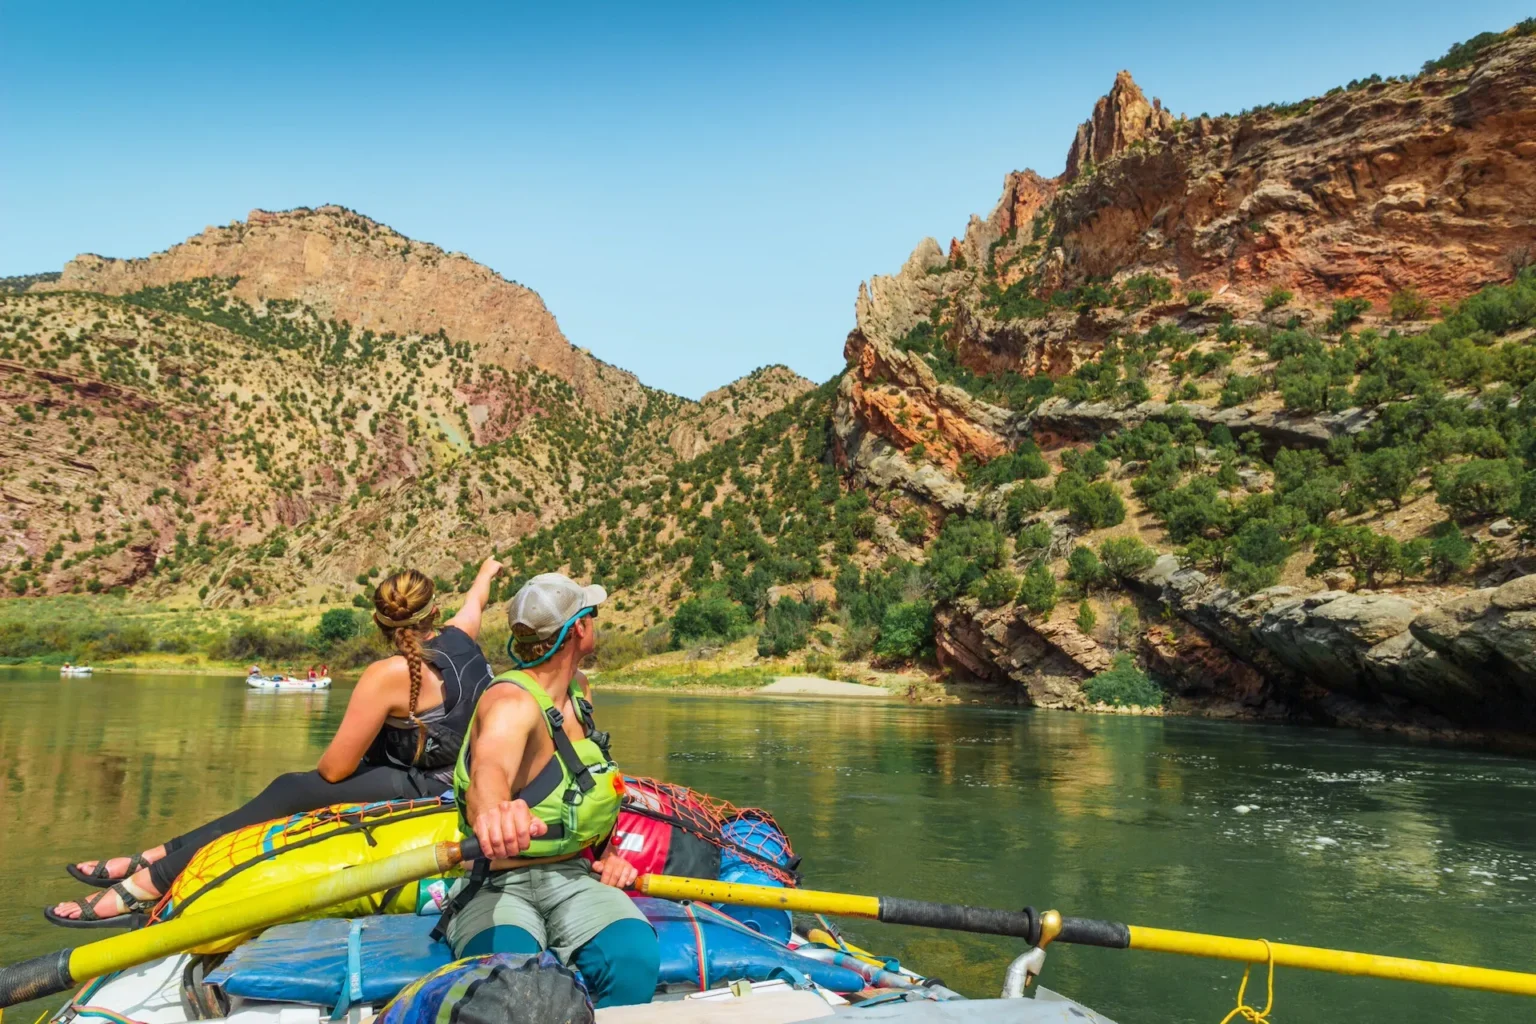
(1247, 1012)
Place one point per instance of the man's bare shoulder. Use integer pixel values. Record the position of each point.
(507, 706)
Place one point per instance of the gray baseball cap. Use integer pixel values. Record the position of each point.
(549, 601)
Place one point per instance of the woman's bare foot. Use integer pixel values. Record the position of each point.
(118, 867)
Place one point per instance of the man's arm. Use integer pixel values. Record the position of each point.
(468, 618)
(503, 724)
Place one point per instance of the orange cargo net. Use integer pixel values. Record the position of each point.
(748, 834)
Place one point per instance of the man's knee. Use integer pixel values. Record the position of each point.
(501, 938)
(620, 963)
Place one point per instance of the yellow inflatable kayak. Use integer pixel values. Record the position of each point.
(245, 863)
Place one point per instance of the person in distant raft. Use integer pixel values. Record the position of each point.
(538, 790)
(400, 736)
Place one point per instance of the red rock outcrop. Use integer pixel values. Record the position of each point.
(1428, 183)
(1120, 119)
(896, 396)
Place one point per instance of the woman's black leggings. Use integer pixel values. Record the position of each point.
(288, 794)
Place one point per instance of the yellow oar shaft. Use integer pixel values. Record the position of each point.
(46, 975)
(805, 901)
(1336, 961)
(1085, 931)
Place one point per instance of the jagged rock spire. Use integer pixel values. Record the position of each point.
(1119, 119)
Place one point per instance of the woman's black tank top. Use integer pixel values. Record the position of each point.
(465, 674)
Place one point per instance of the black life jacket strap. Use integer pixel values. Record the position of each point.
(567, 753)
(546, 782)
(589, 724)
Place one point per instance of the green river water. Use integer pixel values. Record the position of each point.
(1353, 841)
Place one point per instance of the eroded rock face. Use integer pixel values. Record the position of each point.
(1050, 661)
(1423, 184)
(1329, 637)
(1375, 660)
(894, 394)
(1427, 184)
(1491, 634)
(1207, 678)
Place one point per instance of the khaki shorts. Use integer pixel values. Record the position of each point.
(562, 905)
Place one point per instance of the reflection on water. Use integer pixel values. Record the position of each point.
(1350, 841)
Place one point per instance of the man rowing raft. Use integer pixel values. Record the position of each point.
(538, 790)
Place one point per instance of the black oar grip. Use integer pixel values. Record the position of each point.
(41, 976)
(1023, 924)
(1085, 931)
(469, 850)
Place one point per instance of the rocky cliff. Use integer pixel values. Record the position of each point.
(1172, 253)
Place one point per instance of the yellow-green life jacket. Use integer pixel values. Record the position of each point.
(578, 791)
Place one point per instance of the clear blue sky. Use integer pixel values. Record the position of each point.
(696, 190)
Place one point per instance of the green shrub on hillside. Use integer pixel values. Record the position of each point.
(1035, 537)
(1024, 499)
(966, 549)
(1096, 506)
(1346, 312)
(995, 589)
(1084, 570)
(1124, 685)
(865, 596)
(1126, 557)
(1368, 555)
(906, 632)
(912, 527)
(1037, 591)
(787, 627)
(712, 617)
(1276, 298)
(1481, 487)
(1023, 463)
(335, 626)
(1408, 304)
(1450, 552)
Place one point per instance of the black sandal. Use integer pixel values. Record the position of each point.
(100, 878)
(135, 911)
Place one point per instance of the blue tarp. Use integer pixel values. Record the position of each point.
(731, 951)
(306, 962)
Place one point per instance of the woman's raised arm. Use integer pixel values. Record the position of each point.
(468, 618)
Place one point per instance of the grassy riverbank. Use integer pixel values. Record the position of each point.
(118, 634)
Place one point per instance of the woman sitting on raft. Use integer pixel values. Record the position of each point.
(399, 739)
